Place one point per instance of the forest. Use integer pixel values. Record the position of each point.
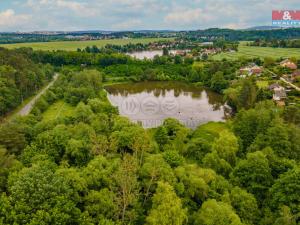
(97, 167)
(238, 35)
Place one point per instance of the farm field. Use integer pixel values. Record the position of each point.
(261, 52)
(73, 45)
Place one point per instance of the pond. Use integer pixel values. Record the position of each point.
(150, 103)
(150, 54)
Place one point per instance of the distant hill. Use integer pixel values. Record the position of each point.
(263, 28)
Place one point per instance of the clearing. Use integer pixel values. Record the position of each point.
(58, 109)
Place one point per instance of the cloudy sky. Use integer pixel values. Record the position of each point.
(31, 15)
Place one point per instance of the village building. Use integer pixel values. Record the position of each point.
(211, 51)
(251, 69)
(272, 86)
(279, 93)
(288, 64)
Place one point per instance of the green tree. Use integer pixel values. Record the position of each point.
(100, 204)
(161, 135)
(6, 163)
(247, 95)
(166, 207)
(77, 152)
(216, 213)
(254, 174)
(249, 124)
(286, 217)
(83, 112)
(127, 188)
(218, 82)
(165, 52)
(39, 196)
(223, 156)
(245, 205)
(98, 172)
(291, 114)
(153, 170)
(226, 147)
(276, 137)
(286, 191)
(12, 137)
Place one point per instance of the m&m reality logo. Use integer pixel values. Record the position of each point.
(286, 18)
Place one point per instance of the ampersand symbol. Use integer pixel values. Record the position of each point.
(286, 15)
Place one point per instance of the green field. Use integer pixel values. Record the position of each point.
(261, 52)
(58, 109)
(73, 45)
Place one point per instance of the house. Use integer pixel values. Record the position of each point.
(272, 86)
(288, 64)
(251, 69)
(279, 93)
(256, 70)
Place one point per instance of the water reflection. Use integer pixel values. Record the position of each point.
(152, 102)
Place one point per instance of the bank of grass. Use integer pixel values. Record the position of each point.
(58, 109)
(245, 51)
(74, 45)
(262, 83)
(210, 130)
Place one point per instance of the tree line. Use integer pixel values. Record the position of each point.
(20, 78)
(276, 43)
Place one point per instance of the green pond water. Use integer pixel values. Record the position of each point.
(150, 103)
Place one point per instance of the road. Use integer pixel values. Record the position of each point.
(289, 83)
(27, 108)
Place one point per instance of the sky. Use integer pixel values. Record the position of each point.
(110, 15)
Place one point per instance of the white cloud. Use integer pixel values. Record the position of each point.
(81, 9)
(127, 24)
(185, 16)
(8, 18)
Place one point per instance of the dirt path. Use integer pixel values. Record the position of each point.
(27, 108)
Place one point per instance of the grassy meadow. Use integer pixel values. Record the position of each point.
(58, 109)
(73, 45)
(261, 52)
